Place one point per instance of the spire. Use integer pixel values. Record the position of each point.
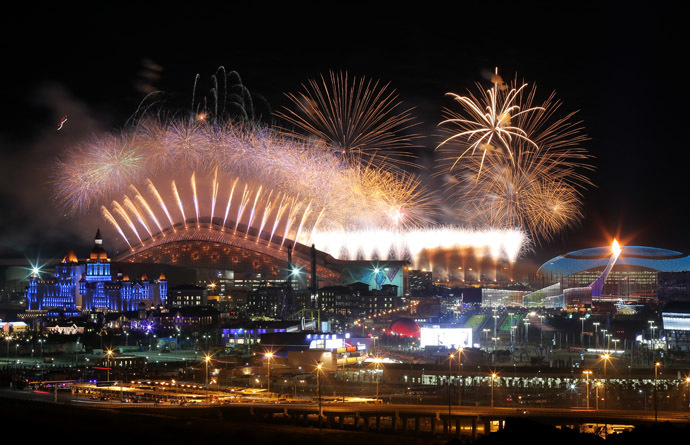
(98, 254)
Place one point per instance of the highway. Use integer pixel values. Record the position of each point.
(336, 408)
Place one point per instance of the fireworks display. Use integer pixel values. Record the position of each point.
(498, 244)
(187, 171)
(342, 187)
(356, 118)
(530, 171)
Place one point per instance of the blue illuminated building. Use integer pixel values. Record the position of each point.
(89, 286)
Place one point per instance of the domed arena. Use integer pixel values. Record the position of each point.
(405, 327)
(635, 273)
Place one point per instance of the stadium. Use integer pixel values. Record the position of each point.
(635, 274)
(246, 258)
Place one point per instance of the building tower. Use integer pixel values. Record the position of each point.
(97, 274)
(162, 290)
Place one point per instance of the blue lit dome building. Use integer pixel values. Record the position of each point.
(89, 285)
(639, 273)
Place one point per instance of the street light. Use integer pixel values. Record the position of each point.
(377, 363)
(207, 359)
(493, 359)
(269, 356)
(656, 397)
(652, 327)
(606, 358)
(109, 353)
(597, 386)
(451, 356)
(8, 340)
(541, 329)
(460, 350)
(596, 332)
(493, 377)
(687, 384)
(319, 366)
(582, 332)
(587, 374)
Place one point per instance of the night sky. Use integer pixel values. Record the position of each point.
(620, 67)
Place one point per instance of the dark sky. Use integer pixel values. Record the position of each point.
(619, 66)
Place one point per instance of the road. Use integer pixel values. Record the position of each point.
(546, 415)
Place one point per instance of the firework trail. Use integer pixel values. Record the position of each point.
(356, 118)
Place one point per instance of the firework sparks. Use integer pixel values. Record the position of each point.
(486, 122)
(539, 187)
(410, 244)
(352, 194)
(356, 118)
(295, 189)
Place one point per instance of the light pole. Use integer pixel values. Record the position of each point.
(486, 340)
(652, 327)
(318, 387)
(687, 385)
(109, 353)
(656, 397)
(606, 358)
(460, 349)
(493, 377)
(582, 332)
(541, 330)
(269, 356)
(377, 363)
(207, 359)
(451, 356)
(597, 385)
(587, 374)
(596, 332)
(8, 340)
(495, 335)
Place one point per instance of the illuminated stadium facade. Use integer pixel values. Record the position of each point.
(634, 275)
(233, 259)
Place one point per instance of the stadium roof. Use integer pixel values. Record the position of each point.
(661, 260)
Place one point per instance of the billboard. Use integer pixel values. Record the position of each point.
(676, 321)
(445, 337)
(375, 274)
